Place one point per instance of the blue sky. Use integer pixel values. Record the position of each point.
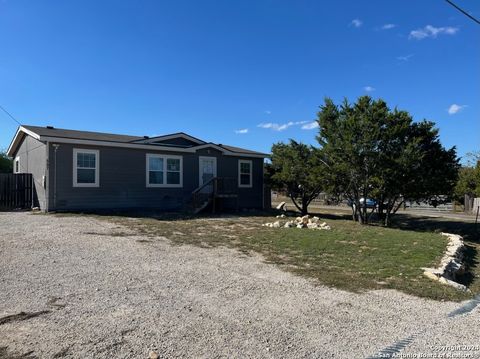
(245, 73)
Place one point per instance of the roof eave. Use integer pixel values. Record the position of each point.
(21, 131)
(170, 136)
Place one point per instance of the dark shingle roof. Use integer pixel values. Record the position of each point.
(239, 150)
(110, 137)
(82, 135)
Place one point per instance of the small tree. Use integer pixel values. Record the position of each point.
(6, 163)
(466, 184)
(468, 180)
(296, 169)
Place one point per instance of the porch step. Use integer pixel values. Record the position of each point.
(201, 207)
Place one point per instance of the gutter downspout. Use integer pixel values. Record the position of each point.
(47, 177)
(55, 146)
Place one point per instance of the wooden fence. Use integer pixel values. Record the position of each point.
(16, 191)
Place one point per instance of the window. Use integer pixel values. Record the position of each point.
(85, 168)
(244, 173)
(16, 164)
(164, 171)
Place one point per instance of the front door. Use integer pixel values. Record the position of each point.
(207, 169)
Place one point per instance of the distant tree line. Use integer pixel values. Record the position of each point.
(468, 179)
(367, 151)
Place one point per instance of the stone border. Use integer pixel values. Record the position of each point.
(451, 264)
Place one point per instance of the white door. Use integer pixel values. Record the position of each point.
(207, 169)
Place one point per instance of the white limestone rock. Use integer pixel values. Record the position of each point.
(451, 264)
(281, 206)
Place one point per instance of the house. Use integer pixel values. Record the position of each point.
(80, 170)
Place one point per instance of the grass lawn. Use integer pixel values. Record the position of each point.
(350, 256)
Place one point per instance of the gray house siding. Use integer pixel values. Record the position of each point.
(122, 180)
(32, 159)
(227, 166)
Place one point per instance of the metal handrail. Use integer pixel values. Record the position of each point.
(204, 185)
(219, 186)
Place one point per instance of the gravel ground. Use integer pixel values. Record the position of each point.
(108, 293)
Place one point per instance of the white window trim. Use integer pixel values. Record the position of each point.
(97, 167)
(17, 160)
(164, 184)
(240, 185)
(200, 158)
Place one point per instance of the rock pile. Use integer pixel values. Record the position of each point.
(300, 222)
(451, 264)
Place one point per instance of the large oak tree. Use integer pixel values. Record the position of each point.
(378, 153)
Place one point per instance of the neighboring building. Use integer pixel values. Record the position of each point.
(79, 170)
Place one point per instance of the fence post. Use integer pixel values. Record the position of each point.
(476, 218)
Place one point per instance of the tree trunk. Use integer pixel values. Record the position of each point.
(359, 209)
(364, 207)
(381, 208)
(387, 218)
(304, 207)
(295, 203)
(399, 205)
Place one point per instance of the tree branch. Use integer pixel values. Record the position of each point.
(295, 202)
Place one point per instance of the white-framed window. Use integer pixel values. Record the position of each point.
(16, 165)
(86, 168)
(244, 173)
(164, 170)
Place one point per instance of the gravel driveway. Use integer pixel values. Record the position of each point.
(94, 290)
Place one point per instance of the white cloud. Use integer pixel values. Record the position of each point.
(432, 31)
(356, 23)
(454, 108)
(405, 58)
(369, 88)
(268, 112)
(280, 127)
(241, 131)
(388, 26)
(310, 125)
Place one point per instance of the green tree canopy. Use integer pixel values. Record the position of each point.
(6, 163)
(378, 153)
(469, 179)
(296, 169)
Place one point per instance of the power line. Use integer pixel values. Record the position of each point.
(8, 113)
(463, 11)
